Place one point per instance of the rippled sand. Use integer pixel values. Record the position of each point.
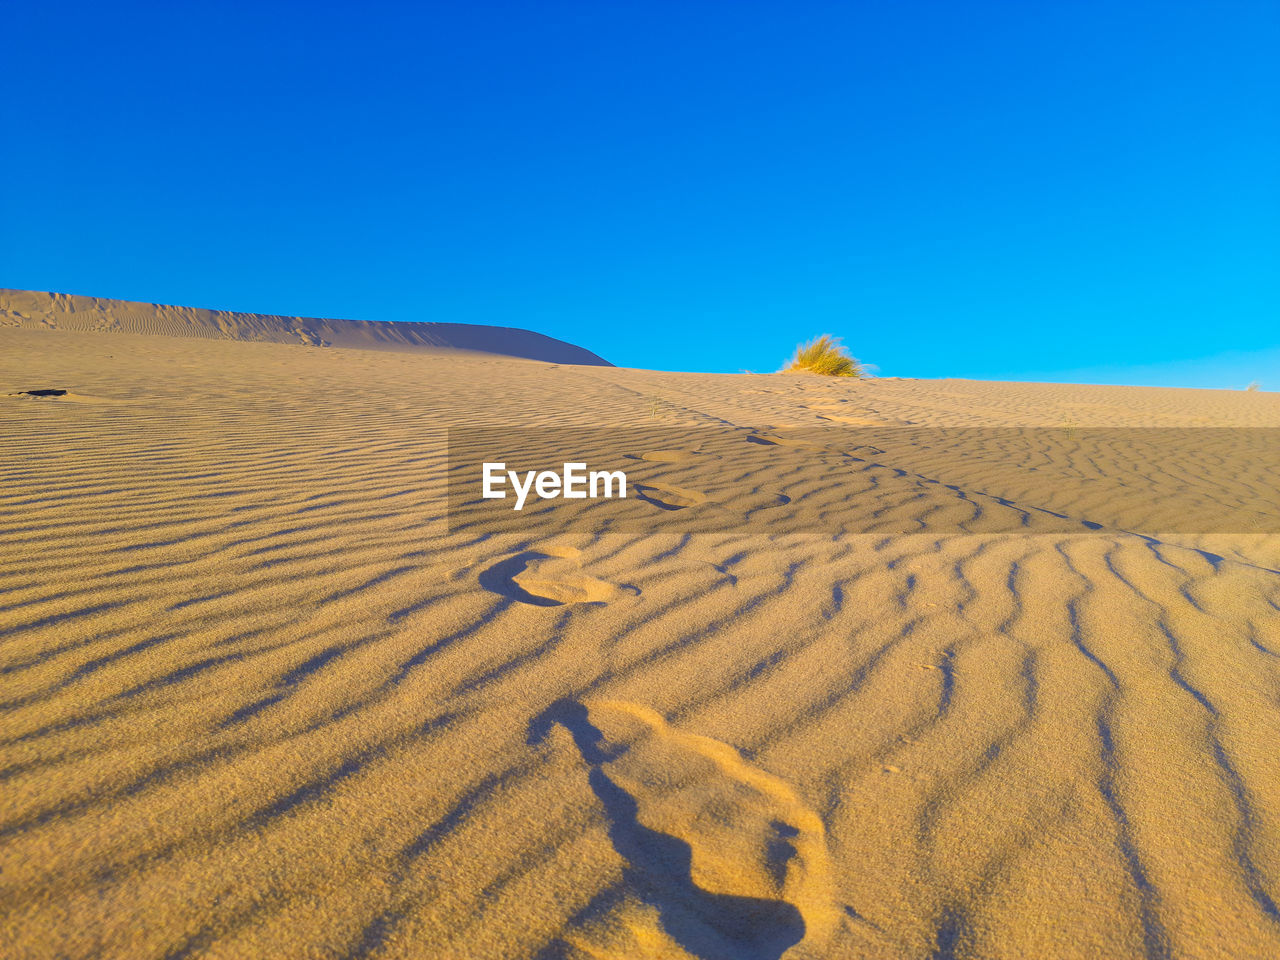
(258, 702)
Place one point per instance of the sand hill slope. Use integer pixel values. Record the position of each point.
(259, 701)
(29, 309)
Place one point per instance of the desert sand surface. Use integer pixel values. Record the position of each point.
(259, 700)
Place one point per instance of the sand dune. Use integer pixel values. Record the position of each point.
(34, 310)
(259, 701)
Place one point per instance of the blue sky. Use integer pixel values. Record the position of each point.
(1063, 190)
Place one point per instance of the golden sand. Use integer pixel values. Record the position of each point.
(259, 702)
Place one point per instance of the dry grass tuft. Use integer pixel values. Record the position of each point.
(825, 355)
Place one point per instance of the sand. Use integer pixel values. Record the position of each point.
(259, 701)
(36, 310)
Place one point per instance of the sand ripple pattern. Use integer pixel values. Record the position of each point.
(257, 702)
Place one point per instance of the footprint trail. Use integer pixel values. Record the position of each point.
(722, 860)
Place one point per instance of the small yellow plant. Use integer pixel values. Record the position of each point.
(658, 407)
(826, 356)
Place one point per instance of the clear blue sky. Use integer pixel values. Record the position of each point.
(1020, 190)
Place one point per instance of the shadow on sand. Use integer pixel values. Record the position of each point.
(500, 579)
(711, 926)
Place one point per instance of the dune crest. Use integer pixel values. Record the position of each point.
(35, 310)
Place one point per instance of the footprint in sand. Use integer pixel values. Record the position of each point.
(841, 411)
(820, 405)
(550, 576)
(854, 421)
(776, 440)
(668, 456)
(669, 497)
(721, 860)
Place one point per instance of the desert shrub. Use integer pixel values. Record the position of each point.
(825, 355)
